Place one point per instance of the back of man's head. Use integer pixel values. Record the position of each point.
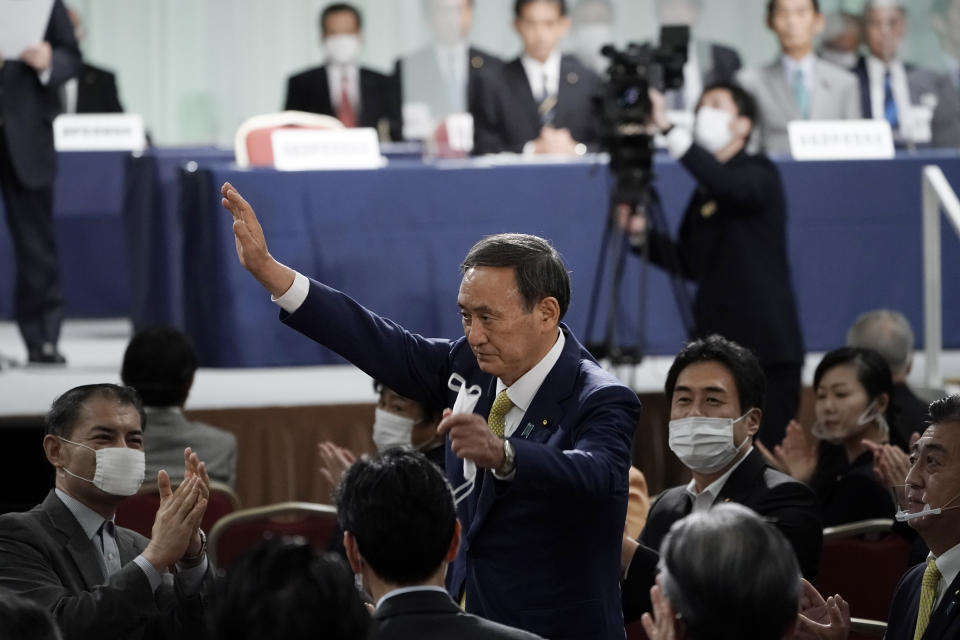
(399, 508)
(888, 333)
(66, 409)
(22, 619)
(742, 364)
(538, 267)
(730, 575)
(159, 363)
(285, 589)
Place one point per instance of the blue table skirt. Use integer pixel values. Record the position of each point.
(393, 239)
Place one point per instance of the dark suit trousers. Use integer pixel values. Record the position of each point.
(783, 400)
(38, 304)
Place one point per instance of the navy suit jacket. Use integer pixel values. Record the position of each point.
(28, 107)
(541, 552)
(944, 622)
(379, 98)
(97, 91)
(506, 116)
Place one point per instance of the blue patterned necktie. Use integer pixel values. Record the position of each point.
(889, 104)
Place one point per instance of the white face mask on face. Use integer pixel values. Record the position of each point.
(342, 49)
(703, 444)
(391, 430)
(120, 470)
(712, 129)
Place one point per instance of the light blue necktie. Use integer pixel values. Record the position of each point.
(801, 94)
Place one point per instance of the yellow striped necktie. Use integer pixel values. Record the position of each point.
(498, 413)
(928, 591)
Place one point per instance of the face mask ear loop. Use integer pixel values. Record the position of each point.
(461, 492)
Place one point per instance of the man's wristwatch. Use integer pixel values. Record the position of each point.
(195, 558)
(509, 459)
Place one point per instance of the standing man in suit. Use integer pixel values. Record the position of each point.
(926, 603)
(550, 434)
(716, 390)
(99, 580)
(355, 95)
(707, 62)
(921, 107)
(732, 242)
(542, 101)
(29, 101)
(400, 534)
(441, 78)
(799, 85)
(160, 364)
(94, 90)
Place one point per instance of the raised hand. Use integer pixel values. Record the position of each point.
(194, 468)
(890, 463)
(821, 619)
(662, 624)
(334, 462)
(177, 520)
(252, 244)
(39, 56)
(471, 439)
(797, 453)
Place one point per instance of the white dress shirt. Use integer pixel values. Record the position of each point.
(703, 500)
(69, 90)
(544, 77)
(402, 590)
(337, 74)
(948, 564)
(806, 65)
(876, 70)
(453, 61)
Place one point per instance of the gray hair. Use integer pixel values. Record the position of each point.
(730, 575)
(888, 333)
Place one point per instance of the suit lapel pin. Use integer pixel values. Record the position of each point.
(476, 62)
(573, 77)
(526, 430)
(708, 209)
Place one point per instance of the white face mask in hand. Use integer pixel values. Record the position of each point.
(703, 444)
(342, 49)
(467, 398)
(391, 430)
(712, 129)
(119, 471)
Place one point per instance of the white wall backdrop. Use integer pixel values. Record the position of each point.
(196, 68)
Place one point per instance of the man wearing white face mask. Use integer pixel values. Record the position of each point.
(357, 96)
(99, 580)
(732, 243)
(716, 389)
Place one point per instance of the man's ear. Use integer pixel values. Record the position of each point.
(353, 552)
(454, 543)
(54, 450)
(753, 420)
(548, 311)
(742, 126)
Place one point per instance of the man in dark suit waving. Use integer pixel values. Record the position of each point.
(926, 604)
(715, 388)
(400, 533)
(542, 101)
(29, 102)
(549, 436)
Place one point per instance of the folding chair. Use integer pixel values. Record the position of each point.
(252, 144)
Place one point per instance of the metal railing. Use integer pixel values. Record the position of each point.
(937, 195)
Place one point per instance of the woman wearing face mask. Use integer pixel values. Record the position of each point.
(732, 242)
(853, 390)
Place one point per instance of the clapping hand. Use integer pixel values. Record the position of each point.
(796, 455)
(334, 462)
(821, 619)
(890, 463)
(661, 625)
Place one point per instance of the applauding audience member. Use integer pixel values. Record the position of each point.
(712, 586)
(542, 101)
(799, 85)
(401, 532)
(716, 389)
(160, 364)
(854, 389)
(285, 589)
(97, 579)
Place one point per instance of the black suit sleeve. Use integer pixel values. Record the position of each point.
(794, 509)
(295, 100)
(488, 113)
(635, 589)
(746, 187)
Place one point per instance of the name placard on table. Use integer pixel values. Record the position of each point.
(840, 139)
(307, 149)
(99, 132)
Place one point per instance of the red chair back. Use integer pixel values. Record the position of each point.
(239, 532)
(139, 511)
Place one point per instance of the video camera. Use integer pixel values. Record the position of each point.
(624, 106)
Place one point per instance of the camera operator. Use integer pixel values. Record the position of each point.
(732, 243)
